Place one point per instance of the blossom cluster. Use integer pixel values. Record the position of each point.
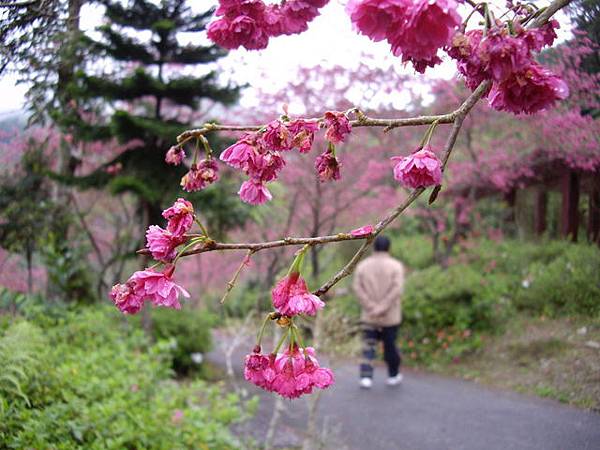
(415, 29)
(149, 284)
(291, 297)
(296, 371)
(250, 23)
(260, 154)
(421, 169)
(289, 374)
(163, 243)
(504, 55)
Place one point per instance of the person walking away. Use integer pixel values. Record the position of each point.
(379, 283)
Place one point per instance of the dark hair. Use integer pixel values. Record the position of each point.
(382, 244)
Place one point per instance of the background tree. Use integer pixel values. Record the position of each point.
(31, 223)
(586, 15)
(145, 106)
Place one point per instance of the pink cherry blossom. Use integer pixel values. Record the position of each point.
(239, 154)
(503, 54)
(250, 23)
(296, 14)
(420, 169)
(158, 288)
(180, 217)
(529, 91)
(175, 155)
(290, 382)
(538, 38)
(200, 175)
(328, 166)
(320, 377)
(377, 18)
(429, 26)
(259, 369)
(363, 231)
(243, 24)
(162, 243)
(464, 50)
(265, 166)
(338, 126)
(254, 192)
(297, 372)
(277, 137)
(303, 133)
(291, 297)
(125, 297)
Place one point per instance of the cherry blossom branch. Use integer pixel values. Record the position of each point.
(209, 245)
(455, 117)
(547, 13)
(362, 121)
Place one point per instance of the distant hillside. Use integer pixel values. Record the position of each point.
(11, 120)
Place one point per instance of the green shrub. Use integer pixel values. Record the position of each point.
(190, 332)
(444, 310)
(514, 256)
(21, 356)
(414, 251)
(569, 284)
(96, 382)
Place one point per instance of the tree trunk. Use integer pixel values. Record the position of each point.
(28, 256)
(594, 214)
(570, 205)
(541, 207)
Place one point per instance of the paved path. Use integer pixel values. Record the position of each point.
(429, 412)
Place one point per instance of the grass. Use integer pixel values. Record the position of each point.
(550, 358)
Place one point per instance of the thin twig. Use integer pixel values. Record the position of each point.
(231, 283)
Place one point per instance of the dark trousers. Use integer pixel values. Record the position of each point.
(391, 355)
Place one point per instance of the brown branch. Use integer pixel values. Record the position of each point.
(552, 9)
(362, 121)
(210, 246)
(24, 4)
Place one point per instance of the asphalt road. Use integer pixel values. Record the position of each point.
(427, 412)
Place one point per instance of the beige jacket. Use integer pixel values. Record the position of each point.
(379, 283)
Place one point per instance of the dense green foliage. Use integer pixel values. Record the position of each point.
(189, 333)
(570, 284)
(89, 379)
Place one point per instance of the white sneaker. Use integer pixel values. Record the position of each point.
(394, 381)
(366, 383)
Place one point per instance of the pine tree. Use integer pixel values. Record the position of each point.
(143, 104)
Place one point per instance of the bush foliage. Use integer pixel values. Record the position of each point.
(89, 379)
(446, 312)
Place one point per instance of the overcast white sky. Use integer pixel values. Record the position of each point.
(330, 40)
